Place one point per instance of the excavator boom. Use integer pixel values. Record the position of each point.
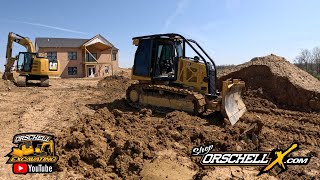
(23, 41)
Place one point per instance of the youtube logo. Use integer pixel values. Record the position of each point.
(20, 168)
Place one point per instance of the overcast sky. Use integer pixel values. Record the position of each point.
(232, 31)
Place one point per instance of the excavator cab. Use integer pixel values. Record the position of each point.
(24, 61)
(169, 79)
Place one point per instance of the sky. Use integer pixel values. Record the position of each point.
(231, 31)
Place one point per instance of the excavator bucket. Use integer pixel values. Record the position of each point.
(8, 76)
(233, 106)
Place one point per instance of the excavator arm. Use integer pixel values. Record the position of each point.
(23, 41)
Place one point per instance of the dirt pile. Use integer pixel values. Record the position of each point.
(115, 143)
(114, 86)
(118, 143)
(5, 85)
(111, 82)
(279, 81)
(121, 142)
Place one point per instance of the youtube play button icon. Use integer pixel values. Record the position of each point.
(20, 168)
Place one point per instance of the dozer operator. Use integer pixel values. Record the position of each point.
(168, 79)
(29, 65)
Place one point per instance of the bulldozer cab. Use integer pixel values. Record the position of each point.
(157, 58)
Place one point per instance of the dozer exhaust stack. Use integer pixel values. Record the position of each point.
(232, 105)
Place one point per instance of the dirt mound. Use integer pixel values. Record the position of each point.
(114, 81)
(115, 86)
(4, 84)
(279, 81)
(122, 144)
(117, 141)
(126, 72)
(118, 144)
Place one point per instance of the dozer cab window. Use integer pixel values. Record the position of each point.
(24, 62)
(142, 60)
(165, 61)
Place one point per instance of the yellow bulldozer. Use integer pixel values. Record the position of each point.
(29, 65)
(167, 78)
(23, 150)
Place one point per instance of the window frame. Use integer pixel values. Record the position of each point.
(74, 55)
(74, 71)
(88, 57)
(114, 56)
(50, 56)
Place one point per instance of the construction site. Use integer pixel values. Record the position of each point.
(99, 136)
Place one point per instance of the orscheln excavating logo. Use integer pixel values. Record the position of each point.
(35, 153)
(267, 159)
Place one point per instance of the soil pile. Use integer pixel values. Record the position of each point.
(115, 143)
(114, 86)
(121, 142)
(117, 81)
(279, 81)
(4, 84)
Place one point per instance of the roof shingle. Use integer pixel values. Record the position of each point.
(46, 42)
(59, 42)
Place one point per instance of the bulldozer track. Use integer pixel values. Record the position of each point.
(171, 92)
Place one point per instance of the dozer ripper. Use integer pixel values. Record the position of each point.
(29, 65)
(168, 79)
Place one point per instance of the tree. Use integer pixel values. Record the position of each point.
(304, 58)
(316, 59)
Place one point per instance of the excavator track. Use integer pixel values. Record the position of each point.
(164, 97)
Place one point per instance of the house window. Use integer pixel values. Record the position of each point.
(89, 58)
(114, 56)
(72, 70)
(72, 55)
(52, 56)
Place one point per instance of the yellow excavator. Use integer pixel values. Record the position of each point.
(29, 65)
(167, 78)
(41, 147)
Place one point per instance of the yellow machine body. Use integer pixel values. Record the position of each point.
(28, 64)
(40, 148)
(169, 79)
(23, 150)
(40, 67)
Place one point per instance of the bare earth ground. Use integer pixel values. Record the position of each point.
(47, 110)
(99, 137)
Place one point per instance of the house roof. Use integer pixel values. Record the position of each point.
(68, 42)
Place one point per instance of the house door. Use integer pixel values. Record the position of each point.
(91, 71)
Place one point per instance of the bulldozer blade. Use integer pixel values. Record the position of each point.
(233, 106)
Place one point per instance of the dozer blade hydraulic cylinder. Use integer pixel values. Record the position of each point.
(233, 106)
